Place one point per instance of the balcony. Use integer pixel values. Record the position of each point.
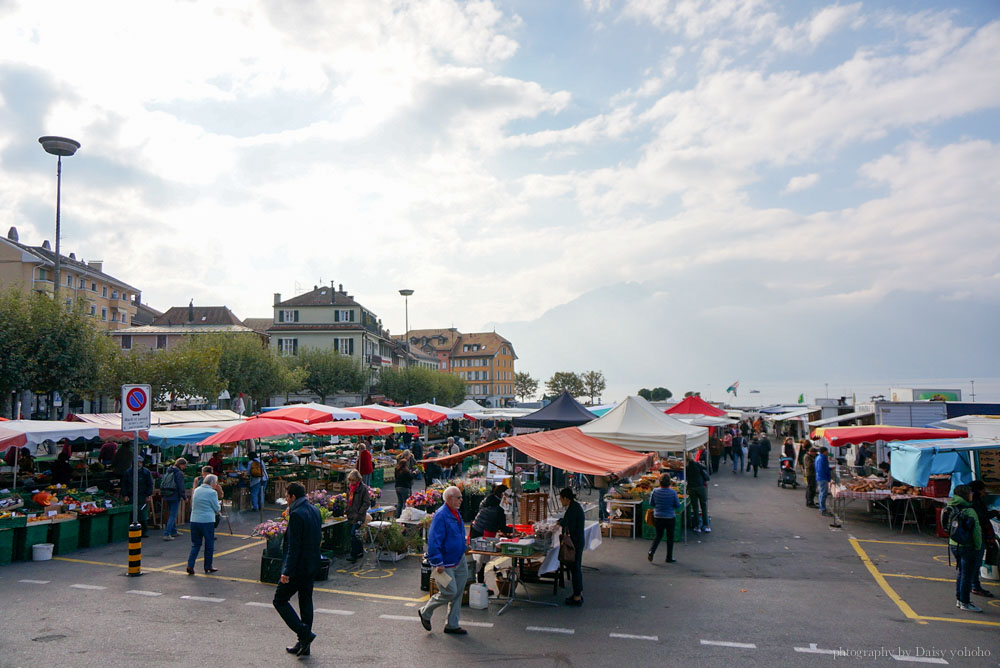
(374, 360)
(43, 285)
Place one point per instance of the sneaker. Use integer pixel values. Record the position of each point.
(982, 592)
(958, 604)
(707, 529)
(168, 538)
(969, 607)
(696, 529)
(649, 556)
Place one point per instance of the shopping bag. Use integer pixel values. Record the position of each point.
(567, 551)
(650, 518)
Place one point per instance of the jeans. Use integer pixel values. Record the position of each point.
(402, 494)
(980, 555)
(966, 558)
(738, 455)
(172, 506)
(199, 531)
(699, 497)
(824, 491)
(664, 525)
(366, 479)
(257, 494)
(450, 595)
(303, 586)
(715, 462)
(810, 491)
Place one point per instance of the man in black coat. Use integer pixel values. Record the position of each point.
(299, 567)
(765, 451)
(753, 455)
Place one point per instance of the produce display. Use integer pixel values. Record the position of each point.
(906, 490)
(867, 484)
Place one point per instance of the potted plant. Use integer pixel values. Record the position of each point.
(392, 543)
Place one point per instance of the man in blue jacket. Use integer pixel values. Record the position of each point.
(299, 567)
(822, 466)
(446, 553)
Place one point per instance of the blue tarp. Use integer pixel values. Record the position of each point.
(171, 436)
(913, 462)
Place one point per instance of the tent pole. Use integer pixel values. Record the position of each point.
(17, 453)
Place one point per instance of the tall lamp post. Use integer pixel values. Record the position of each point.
(58, 146)
(406, 302)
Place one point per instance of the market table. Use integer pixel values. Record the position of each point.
(909, 510)
(842, 497)
(517, 563)
(592, 540)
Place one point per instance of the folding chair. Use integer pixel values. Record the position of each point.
(370, 533)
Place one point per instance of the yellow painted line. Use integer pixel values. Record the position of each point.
(216, 555)
(959, 621)
(86, 561)
(224, 534)
(917, 577)
(880, 580)
(899, 542)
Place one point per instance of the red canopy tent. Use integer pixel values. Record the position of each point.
(842, 436)
(568, 449)
(695, 405)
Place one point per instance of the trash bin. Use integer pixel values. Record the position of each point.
(42, 551)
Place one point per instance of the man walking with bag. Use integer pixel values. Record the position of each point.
(446, 553)
(965, 538)
(299, 567)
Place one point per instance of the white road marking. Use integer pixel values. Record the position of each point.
(918, 659)
(402, 618)
(812, 649)
(726, 643)
(140, 592)
(258, 604)
(327, 611)
(629, 636)
(550, 629)
(207, 599)
(87, 587)
(481, 625)
(36, 582)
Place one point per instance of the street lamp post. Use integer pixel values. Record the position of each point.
(59, 147)
(406, 304)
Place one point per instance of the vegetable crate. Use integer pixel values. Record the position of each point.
(94, 530)
(65, 536)
(26, 538)
(337, 538)
(118, 527)
(378, 478)
(6, 546)
(534, 507)
(648, 530)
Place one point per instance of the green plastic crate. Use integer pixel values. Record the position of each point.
(94, 529)
(65, 536)
(31, 535)
(270, 569)
(6, 546)
(118, 530)
(378, 478)
(337, 538)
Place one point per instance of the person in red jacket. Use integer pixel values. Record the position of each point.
(365, 466)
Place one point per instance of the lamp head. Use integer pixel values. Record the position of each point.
(406, 293)
(61, 146)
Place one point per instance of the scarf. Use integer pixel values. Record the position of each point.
(350, 493)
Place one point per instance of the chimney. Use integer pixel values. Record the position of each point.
(46, 246)
(12, 233)
(277, 298)
(333, 285)
(341, 287)
(72, 256)
(96, 265)
(191, 311)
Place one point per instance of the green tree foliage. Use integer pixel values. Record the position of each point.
(14, 344)
(691, 393)
(416, 385)
(189, 370)
(327, 372)
(593, 384)
(565, 381)
(661, 394)
(524, 385)
(248, 367)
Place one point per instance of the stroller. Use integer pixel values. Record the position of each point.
(786, 472)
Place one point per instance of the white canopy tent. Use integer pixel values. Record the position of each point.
(637, 425)
(469, 406)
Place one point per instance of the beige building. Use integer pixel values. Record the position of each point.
(484, 360)
(169, 329)
(111, 302)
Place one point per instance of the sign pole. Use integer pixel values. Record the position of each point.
(135, 417)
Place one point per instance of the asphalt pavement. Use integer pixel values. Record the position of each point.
(773, 584)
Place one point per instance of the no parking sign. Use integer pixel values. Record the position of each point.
(135, 407)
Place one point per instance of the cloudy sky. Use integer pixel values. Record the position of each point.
(675, 192)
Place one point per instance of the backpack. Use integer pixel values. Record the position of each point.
(256, 471)
(168, 483)
(960, 527)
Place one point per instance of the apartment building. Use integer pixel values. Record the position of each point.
(169, 329)
(112, 303)
(484, 360)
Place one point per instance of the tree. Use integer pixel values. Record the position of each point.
(189, 370)
(565, 381)
(661, 394)
(14, 344)
(691, 393)
(417, 385)
(524, 385)
(247, 366)
(646, 394)
(327, 372)
(593, 384)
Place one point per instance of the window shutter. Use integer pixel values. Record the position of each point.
(336, 344)
(350, 344)
(352, 318)
(296, 316)
(295, 346)
(336, 316)
(281, 316)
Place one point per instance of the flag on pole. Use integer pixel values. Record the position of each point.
(732, 388)
(802, 398)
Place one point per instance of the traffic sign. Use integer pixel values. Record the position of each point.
(135, 407)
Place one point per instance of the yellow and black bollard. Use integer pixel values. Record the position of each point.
(134, 550)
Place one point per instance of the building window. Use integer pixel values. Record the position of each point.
(344, 346)
(126, 342)
(288, 346)
(123, 317)
(104, 291)
(343, 315)
(104, 314)
(288, 315)
(83, 284)
(93, 310)
(161, 341)
(114, 294)
(69, 281)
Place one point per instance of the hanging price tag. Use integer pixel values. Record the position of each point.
(107, 503)
(52, 513)
(72, 506)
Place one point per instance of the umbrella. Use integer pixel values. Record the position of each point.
(256, 427)
(843, 436)
(354, 428)
(30, 433)
(310, 413)
(383, 413)
(433, 414)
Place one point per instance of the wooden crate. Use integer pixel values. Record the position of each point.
(534, 507)
(621, 531)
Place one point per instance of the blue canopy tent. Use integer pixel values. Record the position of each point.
(913, 462)
(166, 437)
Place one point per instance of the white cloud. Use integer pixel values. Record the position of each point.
(797, 183)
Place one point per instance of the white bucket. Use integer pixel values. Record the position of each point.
(42, 551)
(479, 597)
(987, 572)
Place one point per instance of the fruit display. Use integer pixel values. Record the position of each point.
(906, 490)
(867, 485)
(10, 503)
